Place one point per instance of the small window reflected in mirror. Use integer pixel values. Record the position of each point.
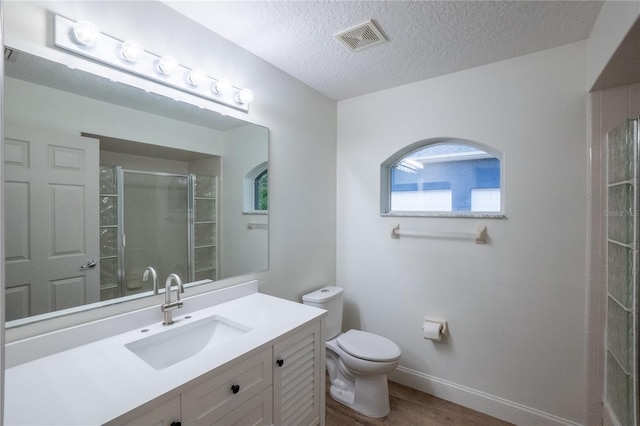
(443, 178)
(256, 190)
(260, 191)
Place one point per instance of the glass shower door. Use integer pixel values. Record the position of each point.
(621, 396)
(155, 228)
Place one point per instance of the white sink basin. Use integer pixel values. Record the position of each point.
(180, 342)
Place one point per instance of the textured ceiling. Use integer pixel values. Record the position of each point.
(426, 38)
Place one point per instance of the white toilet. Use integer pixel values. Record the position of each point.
(358, 362)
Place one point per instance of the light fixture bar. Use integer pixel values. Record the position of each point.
(107, 50)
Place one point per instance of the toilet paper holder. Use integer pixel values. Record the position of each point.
(434, 328)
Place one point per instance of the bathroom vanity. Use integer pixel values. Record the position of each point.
(236, 357)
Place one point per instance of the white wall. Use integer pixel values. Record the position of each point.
(515, 307)
(301, 122)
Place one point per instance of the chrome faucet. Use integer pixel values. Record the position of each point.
(168, 305)
(154, 278)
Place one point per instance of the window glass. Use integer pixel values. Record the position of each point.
(260, 194)
(256, 190)
(447, 178)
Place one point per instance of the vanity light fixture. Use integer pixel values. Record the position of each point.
(85, 39)
(86, 33)
(167, 65)
(131, 51)
(245, 96)
(222, 86)
(196, 77)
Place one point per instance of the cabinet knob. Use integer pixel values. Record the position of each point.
(280, 362)
(235, 388)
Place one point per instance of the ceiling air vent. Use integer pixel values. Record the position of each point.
(361, 36)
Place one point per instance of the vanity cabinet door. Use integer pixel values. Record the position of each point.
(221, 391)
(298, 378)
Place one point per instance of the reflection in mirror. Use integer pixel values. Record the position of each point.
(100, 171)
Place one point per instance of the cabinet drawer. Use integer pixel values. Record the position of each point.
(213, 397)
(257, 412)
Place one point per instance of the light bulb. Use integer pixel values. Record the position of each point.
(196, 77)
(86, 33)
(245, 96)
(222, 86)
(132, 51)
(167, 65)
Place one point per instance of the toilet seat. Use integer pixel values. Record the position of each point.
(368, 346)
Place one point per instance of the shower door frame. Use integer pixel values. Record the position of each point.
(121, 237)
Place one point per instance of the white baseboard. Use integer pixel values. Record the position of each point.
(480, 401)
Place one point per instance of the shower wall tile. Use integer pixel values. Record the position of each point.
(108, 242)
(108, 211)
(620, 334)
(205, 258)
(592, 346)
(595, 349)
(593, 319)
(206, 275)
(107, 180)
(614, 108)
(595, 393)
(205, 234)
(108, 271)
(620, 274)
(607, 109)
(205, 210)
(205, 186)
(620, 212)
(620, 153)
(619, 391)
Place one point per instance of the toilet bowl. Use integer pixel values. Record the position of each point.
(357, 382)
(357, 361)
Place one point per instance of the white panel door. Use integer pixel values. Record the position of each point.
(51, 217)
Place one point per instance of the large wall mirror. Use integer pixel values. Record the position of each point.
(103, 180)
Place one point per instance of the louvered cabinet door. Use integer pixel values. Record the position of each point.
(298, 378)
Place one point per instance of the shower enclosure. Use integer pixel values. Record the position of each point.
(621, 389)
(163, 220)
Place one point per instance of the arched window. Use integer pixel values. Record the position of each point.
(260, 191)
(443, 177)
(256, 189)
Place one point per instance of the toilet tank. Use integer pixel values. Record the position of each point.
(330, 299)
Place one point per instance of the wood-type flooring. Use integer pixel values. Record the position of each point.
(410, 407)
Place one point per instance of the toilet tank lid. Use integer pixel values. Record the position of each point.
(322, 295)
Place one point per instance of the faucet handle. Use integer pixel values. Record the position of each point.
(166, 307)
(154, 277)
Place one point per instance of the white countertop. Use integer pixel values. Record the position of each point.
(99, 381)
